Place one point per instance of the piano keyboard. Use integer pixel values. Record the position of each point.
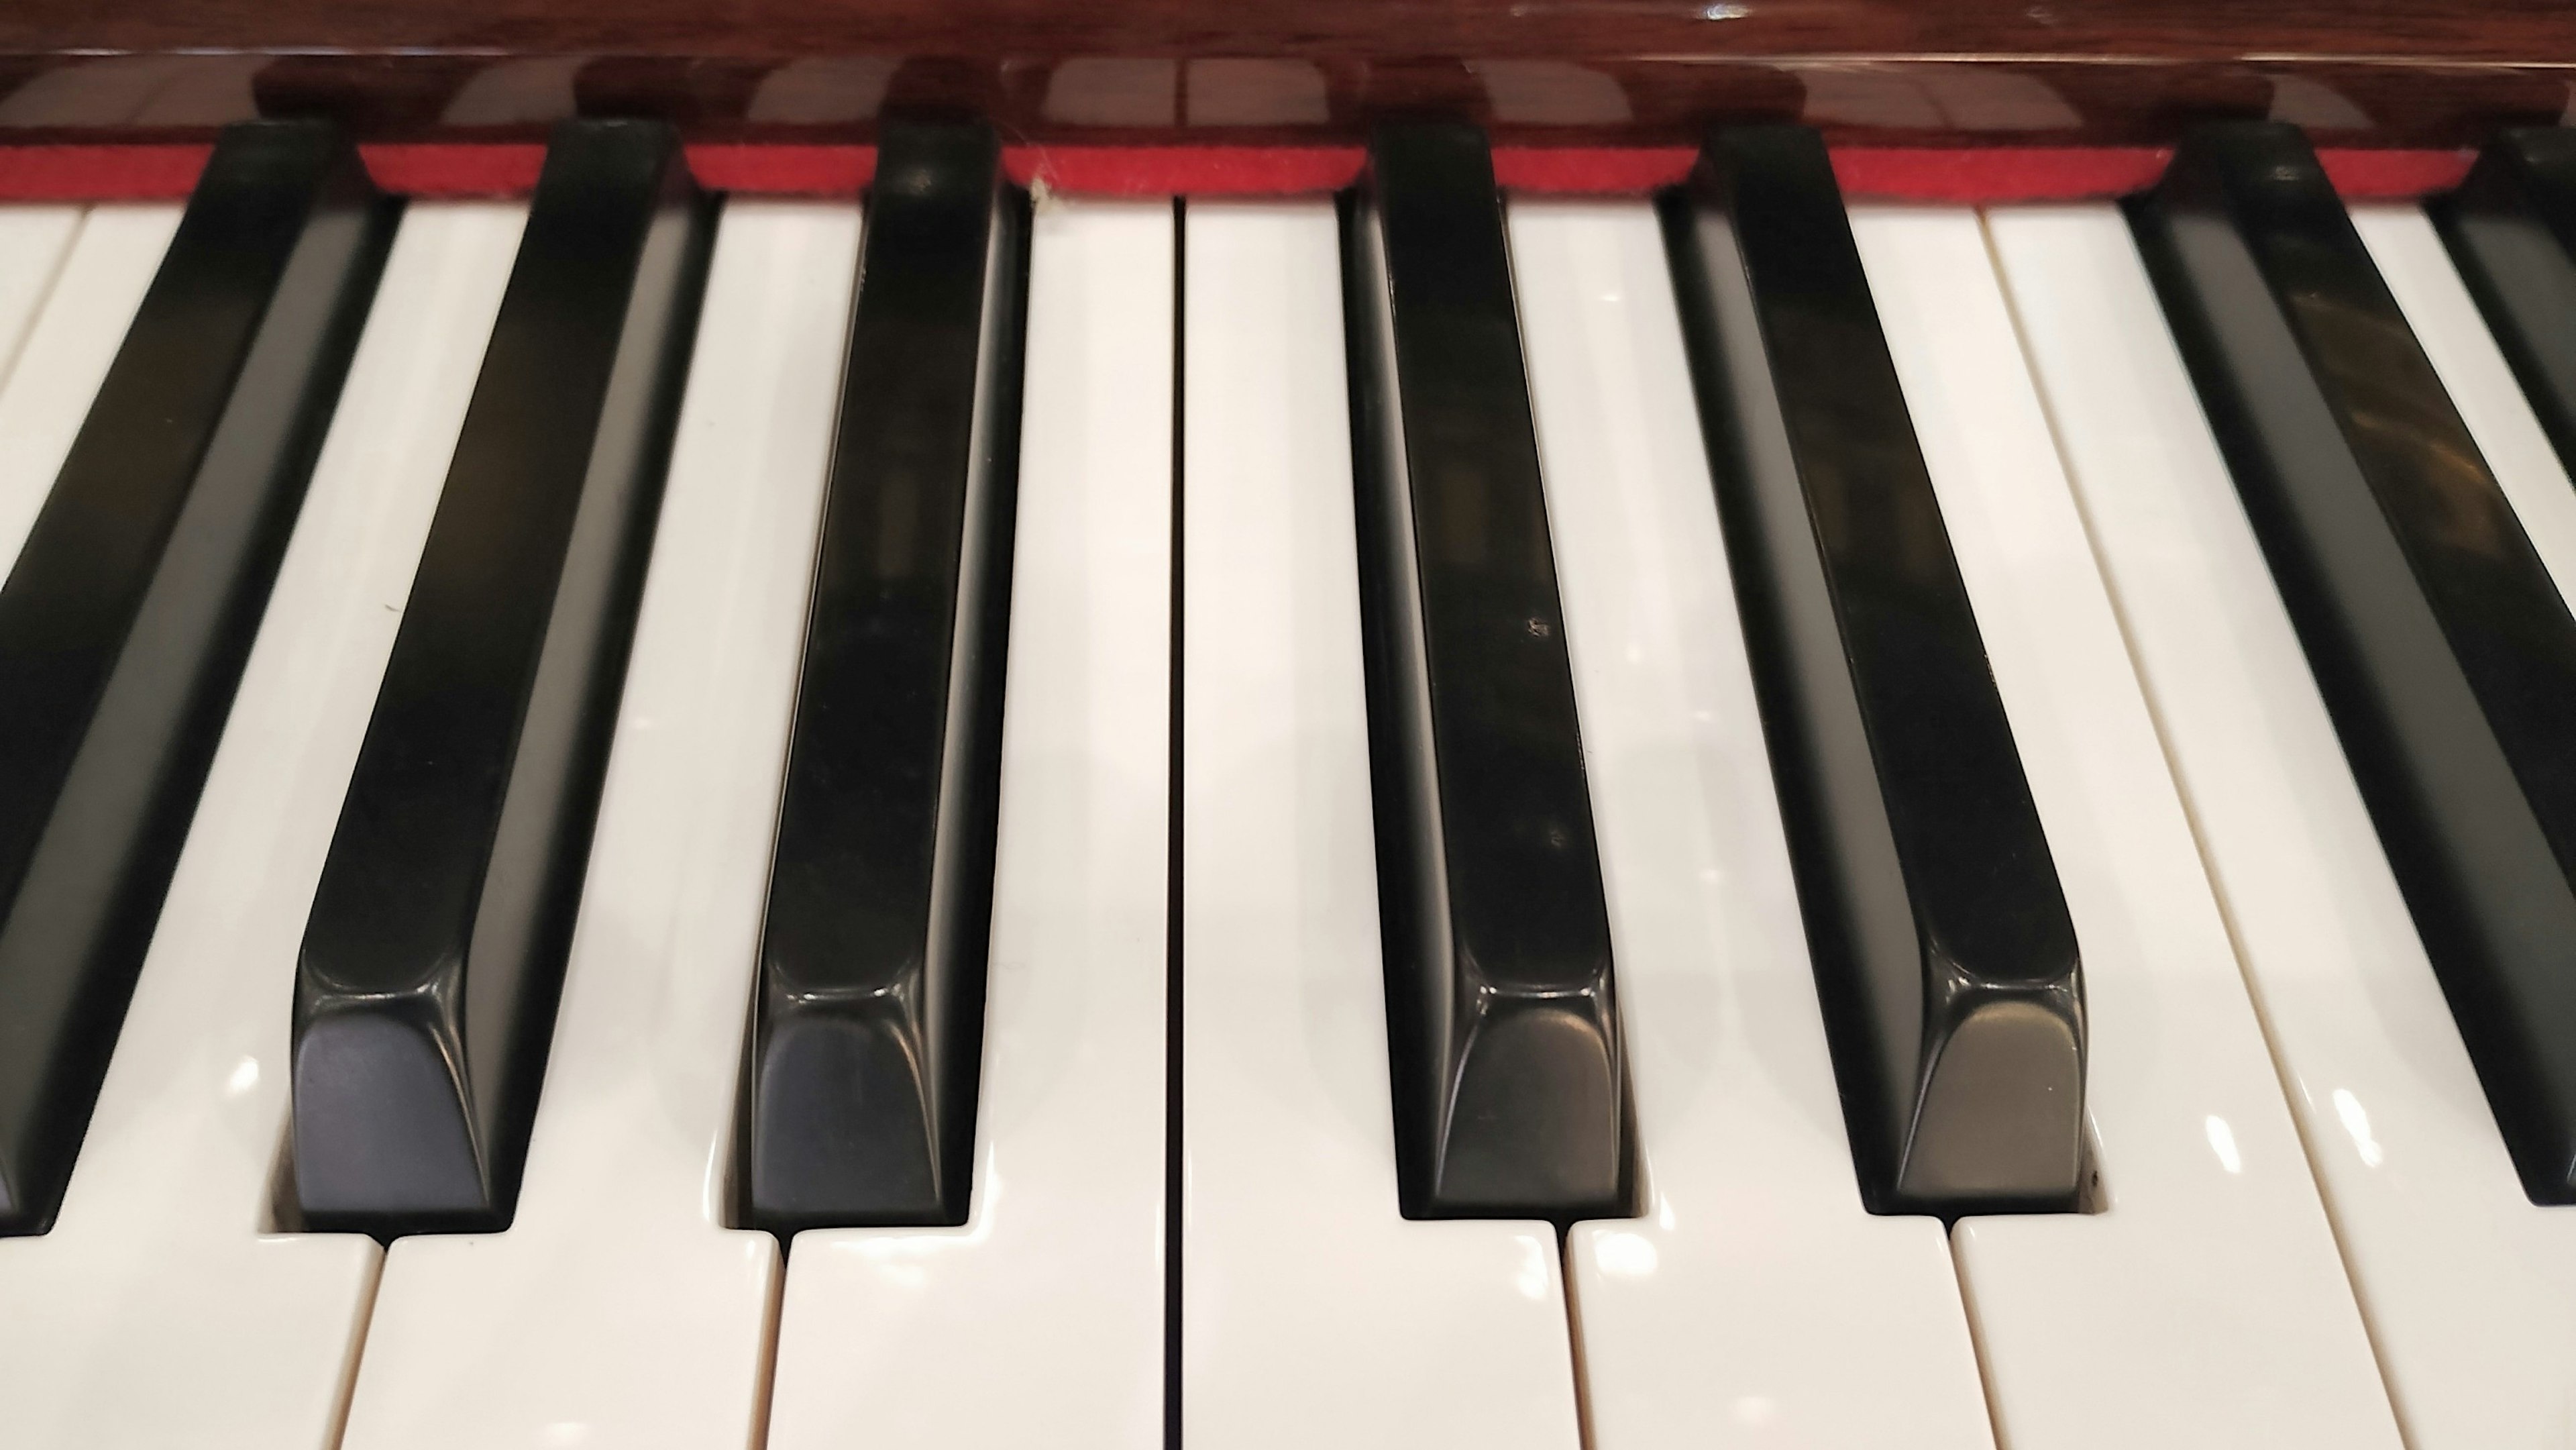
(634, 819)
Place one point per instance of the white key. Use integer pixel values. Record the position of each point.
(2469, 1290)
(618, 1309)
(1757, 1302)
(1040, 1321)
(66, 353)
(2204, 1304)
(1313, 1313)
(164, 1309)
(33, 243)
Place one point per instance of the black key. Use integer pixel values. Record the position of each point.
(1945, 959)
(2512, 231)
(424, 998)
(2445, 655)
(131, 610)
(868, 1018)
(1510, 1081)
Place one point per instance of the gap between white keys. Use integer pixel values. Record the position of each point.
(162, 1256)
(618, 1309)
(1298, 1270)
(1757, 1302)
(1040, 1321)
(2206, 1302)
(2469, 1290)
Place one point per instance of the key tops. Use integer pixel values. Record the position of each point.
(425, 990)
(1944, 954)
(127, 618)
(1511, 1095)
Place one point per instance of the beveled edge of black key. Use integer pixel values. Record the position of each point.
(2510, 229)
(454, 1162)
(2263, 182)
(1516, 1065)
(888, 1033)
(318, 165)
(2020, 999)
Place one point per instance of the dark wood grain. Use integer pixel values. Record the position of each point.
(2057, 71)
(2513, 30)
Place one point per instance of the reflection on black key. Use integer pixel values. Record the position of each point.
(1945, 959)
(425, 994)
(2512, 230)
(1509, 1076)
(2443, 651)
(868, 1016)
(131, 610)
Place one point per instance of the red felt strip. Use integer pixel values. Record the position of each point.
(1996, 174)
(447, 169)
(2363, 175)
(784, 170)
(1185, 170)
(1955, 175)
(99, 173)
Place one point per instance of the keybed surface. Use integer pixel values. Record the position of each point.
(1207, 1109)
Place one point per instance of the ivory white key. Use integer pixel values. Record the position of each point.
(33, 241)
(1757, 1302)
(617, 1309)
(2204, 1304)
(166, 1307)
(110, 262)
(1312, 1312)
(1040, 1320)
(2469, 1290)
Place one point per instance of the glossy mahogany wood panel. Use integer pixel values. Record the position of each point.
(425, 990)
(1945, 957)
(1068, 85)
(2444, 652)
(2504, 30)
(130, 612)
(2512, 230)
(1510, 1074)
(868, 1015)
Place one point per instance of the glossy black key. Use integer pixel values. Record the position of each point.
(130, 612)
(1945, 959)
(867, 1025)
(1509, 1076)
(2512, 231)
(425, 993)
(2444, 653)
